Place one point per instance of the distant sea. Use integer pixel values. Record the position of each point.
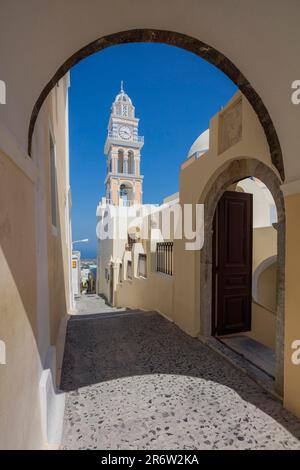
(87, 253)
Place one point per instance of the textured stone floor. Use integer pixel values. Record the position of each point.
(135, 381)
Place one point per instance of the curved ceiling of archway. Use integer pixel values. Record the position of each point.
(185, 42)
(262, 39)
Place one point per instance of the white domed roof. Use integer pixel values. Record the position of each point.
(200, 146)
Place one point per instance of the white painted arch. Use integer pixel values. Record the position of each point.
(261, 38)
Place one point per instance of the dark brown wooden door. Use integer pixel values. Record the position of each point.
(232, 264)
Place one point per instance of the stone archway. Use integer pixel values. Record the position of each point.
(182, 41)
(230, 173)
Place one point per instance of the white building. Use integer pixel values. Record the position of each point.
(123, 188)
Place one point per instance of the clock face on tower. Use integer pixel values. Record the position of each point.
(124, 132)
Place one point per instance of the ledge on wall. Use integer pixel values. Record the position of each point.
(52, 402)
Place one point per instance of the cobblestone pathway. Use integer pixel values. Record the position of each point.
(92, 303)
(135, 381)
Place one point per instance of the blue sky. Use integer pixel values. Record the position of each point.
(175, 93)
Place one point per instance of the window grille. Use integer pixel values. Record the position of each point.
(164, 257)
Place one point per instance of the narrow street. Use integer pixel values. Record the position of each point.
(135, 381)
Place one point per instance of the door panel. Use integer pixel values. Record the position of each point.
(232, 264)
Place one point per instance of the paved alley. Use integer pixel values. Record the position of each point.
(93, 303)
(136, 381)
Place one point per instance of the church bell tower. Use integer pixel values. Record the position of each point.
(123, 182)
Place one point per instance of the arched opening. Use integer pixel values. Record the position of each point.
(182, 41)
(231, 174)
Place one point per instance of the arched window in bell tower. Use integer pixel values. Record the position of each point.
(120, 161)
(130, 162)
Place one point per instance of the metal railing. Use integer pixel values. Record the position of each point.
(164, 257)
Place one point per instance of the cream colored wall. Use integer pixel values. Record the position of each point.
(156, 292)
(292, 303)
(267, 288)
(58, 249)
(196, 178)
(193, 179)
(192, 189)
(138, 192)
(27, 73)
(264, 312)
(110, 252)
